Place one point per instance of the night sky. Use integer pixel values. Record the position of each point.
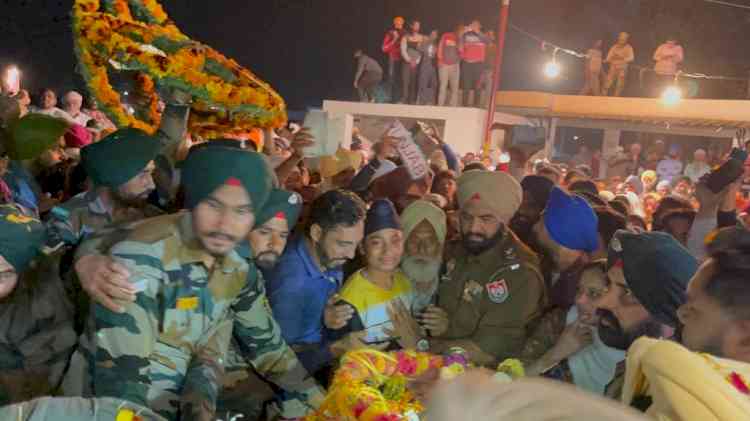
(304, 47)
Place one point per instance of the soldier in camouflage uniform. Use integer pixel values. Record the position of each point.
(167, 350)
(120, 167)
(36, 318)
(244, 392)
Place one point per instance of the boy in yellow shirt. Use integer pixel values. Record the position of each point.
(373, 289)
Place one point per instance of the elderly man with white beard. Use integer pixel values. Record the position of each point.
(425, 229)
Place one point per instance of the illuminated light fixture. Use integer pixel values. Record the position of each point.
(552, 69)
(672, 95)
(12, 80)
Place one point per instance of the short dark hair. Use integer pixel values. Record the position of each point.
(610, 221)
(666, 204)
(620, 205)
(581, 186)
(573, 173)
(688, 214)
(337, 208)
(548, 169)
(683, 178)
(730, 285)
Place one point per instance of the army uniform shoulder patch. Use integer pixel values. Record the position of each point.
(498, 291)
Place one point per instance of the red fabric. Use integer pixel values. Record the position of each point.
(392, 46)
(447, 38)
(77, 137)
(474, 49)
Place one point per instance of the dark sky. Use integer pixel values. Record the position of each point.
(304, 47)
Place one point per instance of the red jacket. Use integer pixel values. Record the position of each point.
(474, 47)
(392, 45)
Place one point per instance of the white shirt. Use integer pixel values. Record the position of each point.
(696, 170)
(668, 169)
(81, 119)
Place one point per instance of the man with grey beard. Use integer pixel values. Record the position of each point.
(425, 229)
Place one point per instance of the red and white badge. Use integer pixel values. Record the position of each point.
(498, 291)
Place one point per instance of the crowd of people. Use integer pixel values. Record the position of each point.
(230, 276)
(437, 69)
(455, 68)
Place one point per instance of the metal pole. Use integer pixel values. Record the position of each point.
(502, 29)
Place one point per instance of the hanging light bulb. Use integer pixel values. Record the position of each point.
(552, 69)
(673, 94)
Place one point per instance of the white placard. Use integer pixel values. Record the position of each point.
(411, 153)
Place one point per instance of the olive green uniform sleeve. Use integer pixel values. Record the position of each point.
(125, 341)
(259, 338)
(203, 378)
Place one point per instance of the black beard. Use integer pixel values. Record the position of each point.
(476, 248)
(615, 337)
(267, 264)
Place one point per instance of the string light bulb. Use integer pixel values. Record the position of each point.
(672, 95)
(552, 69)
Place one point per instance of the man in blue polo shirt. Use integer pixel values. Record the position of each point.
(309, 274)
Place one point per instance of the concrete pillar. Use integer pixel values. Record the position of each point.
(609, 148)
(549, 145)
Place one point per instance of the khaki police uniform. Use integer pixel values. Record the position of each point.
(491, 299)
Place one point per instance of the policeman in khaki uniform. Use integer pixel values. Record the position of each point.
(167, 350)
(493, 288)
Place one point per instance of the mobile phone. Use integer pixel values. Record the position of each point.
(382, 341)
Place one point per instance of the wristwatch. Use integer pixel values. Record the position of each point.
(423, 345)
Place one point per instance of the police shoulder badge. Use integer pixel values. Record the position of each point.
(498, 291)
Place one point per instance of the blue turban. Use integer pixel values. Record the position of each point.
(381, 215)
(571, 222)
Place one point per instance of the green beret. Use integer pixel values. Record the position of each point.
(206, 169)
(280, 201)
(657, 269)
(116, 159)
(21, 237)
(33, 134)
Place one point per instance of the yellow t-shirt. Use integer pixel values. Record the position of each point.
(371, 302)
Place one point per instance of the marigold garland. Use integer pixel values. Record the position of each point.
(137, 35)
(372, 386)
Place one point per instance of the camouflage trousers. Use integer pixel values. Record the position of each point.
(73, 409)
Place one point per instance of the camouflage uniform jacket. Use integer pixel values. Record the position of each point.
(167, 350)
(78, 218)
(36, 334)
